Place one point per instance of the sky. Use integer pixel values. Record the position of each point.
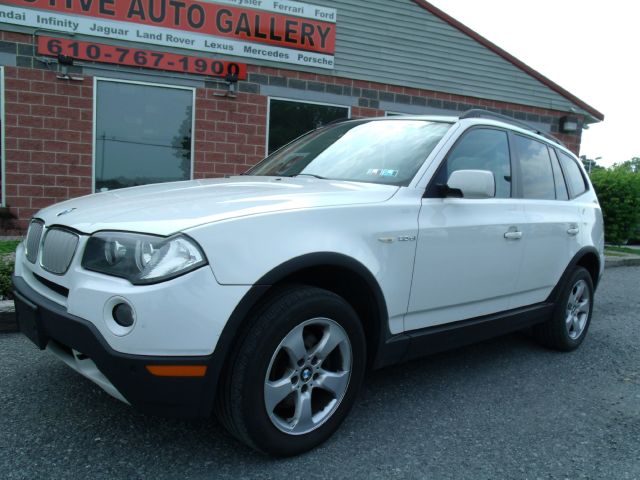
(590, 48)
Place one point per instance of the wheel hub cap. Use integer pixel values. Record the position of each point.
(308, 376)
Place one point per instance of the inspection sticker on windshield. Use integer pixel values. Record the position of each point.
(382, 172)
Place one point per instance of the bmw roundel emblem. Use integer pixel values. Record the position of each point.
(64, 212)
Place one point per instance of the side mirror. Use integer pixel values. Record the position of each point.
(473, 183)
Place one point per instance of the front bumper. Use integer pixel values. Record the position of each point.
(48, 325)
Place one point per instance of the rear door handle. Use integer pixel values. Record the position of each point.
(573, 230)
(511, 235)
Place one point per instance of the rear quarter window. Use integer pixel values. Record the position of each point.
(573, 175)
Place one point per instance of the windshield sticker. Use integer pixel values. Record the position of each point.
(382, 172)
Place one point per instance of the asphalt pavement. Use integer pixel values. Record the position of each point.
(505, 408)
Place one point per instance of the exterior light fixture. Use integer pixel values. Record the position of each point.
(65, 62)
(231, 81)
(569, 124)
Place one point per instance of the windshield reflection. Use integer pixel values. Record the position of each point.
(379, 151)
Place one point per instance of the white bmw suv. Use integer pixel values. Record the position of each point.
(265, 297)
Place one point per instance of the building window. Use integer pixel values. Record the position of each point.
(2, 152)
(143, 134)
(289, 119)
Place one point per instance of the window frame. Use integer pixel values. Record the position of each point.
(553, 152)
(149, 84)
(515, 186)
(308, 102)
(3, 148)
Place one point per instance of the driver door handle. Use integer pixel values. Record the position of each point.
(573, 230)
(513, 235)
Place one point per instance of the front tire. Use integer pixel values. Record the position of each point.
(296, 372)
(569, 323)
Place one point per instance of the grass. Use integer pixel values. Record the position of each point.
(631, 251)
(6, 289)
(6, 268)
(8, 246)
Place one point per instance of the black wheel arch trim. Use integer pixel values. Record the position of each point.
(582, 253)
(259, 290)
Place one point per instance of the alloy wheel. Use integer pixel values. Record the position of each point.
(308, 376)
(578, 307)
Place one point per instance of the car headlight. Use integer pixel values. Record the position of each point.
(142, 259)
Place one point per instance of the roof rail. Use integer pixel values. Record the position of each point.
(479, 113)
(339, 120)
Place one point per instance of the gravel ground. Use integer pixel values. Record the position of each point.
(505, 408)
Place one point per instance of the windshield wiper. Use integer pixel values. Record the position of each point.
(310, 175)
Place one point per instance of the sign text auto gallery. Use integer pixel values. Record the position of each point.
(103, 94)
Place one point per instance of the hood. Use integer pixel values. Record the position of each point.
(168, 208)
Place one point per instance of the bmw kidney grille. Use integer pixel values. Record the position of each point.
(58, 249)
(33, 239)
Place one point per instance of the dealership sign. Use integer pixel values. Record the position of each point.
(99, 52)
(281, 31)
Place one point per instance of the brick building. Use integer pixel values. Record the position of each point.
(105, 94)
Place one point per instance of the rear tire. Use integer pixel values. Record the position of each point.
(569, 323)
(296, 372)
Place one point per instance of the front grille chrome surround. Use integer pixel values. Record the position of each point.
(58, 248)
(34, 235)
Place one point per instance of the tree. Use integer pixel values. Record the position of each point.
(632, 166)
(182, 144)
(618, 190)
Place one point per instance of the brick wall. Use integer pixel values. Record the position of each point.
(370, 95)
(230, 134)
(48, 140)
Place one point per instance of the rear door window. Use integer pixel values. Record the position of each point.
(535, 167)
(561, 187)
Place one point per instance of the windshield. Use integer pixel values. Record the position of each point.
(381, 151)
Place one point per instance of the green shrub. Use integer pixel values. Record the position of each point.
(619, 194)
(6, 269)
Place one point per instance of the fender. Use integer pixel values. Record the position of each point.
(233, 327)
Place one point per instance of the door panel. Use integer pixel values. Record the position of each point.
(547, 243)
(551, 223)
(465, 267)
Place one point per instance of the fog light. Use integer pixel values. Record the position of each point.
(123, 315)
